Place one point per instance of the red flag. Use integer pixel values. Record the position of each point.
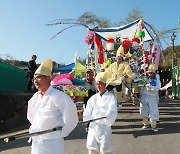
(100, 48)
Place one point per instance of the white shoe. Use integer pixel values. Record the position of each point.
(145, 127)
(119, 105)
(155, 130)
(134, 104)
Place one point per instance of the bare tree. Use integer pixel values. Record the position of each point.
(135, 14)
(91, 19)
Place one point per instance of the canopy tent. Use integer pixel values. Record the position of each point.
(64, 69)
(167, 86)
(126, 31)
(76, 67)
(136, 37)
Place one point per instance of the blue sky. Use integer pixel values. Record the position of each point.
(23, 31)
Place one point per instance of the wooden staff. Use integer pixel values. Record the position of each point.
(27, 134)
(88, 121)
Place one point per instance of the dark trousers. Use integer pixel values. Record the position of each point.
(30, 83)
(118, 87)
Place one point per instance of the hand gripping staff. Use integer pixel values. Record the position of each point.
(27, 134)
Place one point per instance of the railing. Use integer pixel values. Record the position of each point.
(175, 81)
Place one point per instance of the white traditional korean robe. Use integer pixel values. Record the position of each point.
(54, 109)
(100, 135)
(150, 100)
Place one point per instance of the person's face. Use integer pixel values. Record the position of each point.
(41, 82)
(119, 59)
(89, 76)
(151, 75)
(101, 87)
(34, 57)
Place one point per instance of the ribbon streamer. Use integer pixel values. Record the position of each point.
(79, 24)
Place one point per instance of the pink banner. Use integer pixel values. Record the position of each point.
(156, 55)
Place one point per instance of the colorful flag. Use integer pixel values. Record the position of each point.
(100, 48)
(156, 55)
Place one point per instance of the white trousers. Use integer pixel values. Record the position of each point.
(48, 146)
(149, 107)
(99, 138)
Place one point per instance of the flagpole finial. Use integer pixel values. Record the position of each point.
(75, 56)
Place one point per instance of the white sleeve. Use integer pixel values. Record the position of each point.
(31, 110)
(69, 114)
(87, 114)
(111, 113)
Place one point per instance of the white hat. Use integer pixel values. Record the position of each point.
(45, 68)
(101, 77)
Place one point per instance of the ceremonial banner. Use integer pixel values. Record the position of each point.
(100, 48)
(126, 31)
(156, 55)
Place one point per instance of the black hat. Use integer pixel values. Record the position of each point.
(34, 56)
(89, 70)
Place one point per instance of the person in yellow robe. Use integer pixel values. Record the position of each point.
(118, 74)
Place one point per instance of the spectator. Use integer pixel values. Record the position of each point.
(31, 70)
(90, 83)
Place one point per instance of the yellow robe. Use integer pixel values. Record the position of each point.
(113, 74)
(115, 71)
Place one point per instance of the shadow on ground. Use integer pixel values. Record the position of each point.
(169, 122)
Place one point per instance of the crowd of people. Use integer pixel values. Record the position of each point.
(49, 108)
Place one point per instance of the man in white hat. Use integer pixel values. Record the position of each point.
(102, 104)
(150, 99)
(117, 73)
(47, 109)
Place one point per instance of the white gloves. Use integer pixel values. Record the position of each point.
(148, 86)
(121, 78)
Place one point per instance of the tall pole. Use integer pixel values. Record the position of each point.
(179, 29)
(174, 54)
(173, 37)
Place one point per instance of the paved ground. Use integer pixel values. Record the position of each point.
(128, 138)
